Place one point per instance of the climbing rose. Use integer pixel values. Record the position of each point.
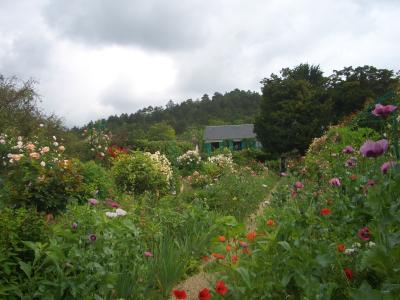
(221, 288)
(335, 182)
(325, 211)
(363, 234)
(386, 166)
(374, 149)
(383, 110)
(180, 294)
(341, 247)
(348, 149)
(298, 185)
(204, 294)
(349, 273)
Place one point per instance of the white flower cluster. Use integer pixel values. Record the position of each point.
(191, 157)
(356, 246)
(119, 212)
(222, 160)
(162, 163)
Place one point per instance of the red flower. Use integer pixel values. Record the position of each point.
(180, 294)
(205, 258)
(221, 288)
(204, 294)
(221, 238)
(234, 259)
(218, 256)
(341, 247)
(251, 235)
(363, 234)
(270, 222)
(325, 211)
(349, 273)
(228, 247)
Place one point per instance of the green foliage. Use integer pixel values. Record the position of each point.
(294, 109)
(95, 180)
(137, 173)
(162, 132)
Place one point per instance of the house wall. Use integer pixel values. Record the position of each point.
(246, 144)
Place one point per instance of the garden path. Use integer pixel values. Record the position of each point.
(197, 282)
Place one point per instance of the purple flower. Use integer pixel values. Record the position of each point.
(386, 166)
(93, 201)
(335, 182)
(112, 203)
(74, 226)
(92, 237)
(348, 149)
(148, 254)
(298, 185)
(374, 149)
(383, 110)
(350, 163)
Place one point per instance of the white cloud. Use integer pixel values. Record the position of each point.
(94, 58)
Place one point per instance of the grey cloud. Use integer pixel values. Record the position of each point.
(158, 25)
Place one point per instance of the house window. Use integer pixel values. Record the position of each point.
(237, 145)
(214, 146)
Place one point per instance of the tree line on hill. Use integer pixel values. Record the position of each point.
(294, 107)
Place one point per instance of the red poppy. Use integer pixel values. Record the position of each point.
(204, 294)
(270, 222)
(341, 247)
(325, 211)
(234, 259)
(180, 294)
(349, 273)
(221, 238)
(228, 247)
(221, 288)
(251, 235)
(218, 256)
(205, 258)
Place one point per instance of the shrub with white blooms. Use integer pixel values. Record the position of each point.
(222, 160)
(162, 163)
(189, 160)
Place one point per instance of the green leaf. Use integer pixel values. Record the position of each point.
(285, 245)
(26, 268)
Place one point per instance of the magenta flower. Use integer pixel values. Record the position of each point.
(92, 237)
(283, 174)
(298, 185)
(386, 166)
(148, 254)
(74, 226)
(112, 203)
(243, 244)
(383, 110)
(335, 182)
(374, 149)
(350, 163)
(348, 149)
(363, 234)
(93, 201)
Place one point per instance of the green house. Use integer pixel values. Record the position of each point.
(234, 137)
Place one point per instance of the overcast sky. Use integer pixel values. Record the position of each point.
(95, 58)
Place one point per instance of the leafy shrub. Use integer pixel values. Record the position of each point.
(139, 172)
(16, 227)
(95, 180)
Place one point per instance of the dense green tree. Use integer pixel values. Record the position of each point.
(295, 108)
(162, 132)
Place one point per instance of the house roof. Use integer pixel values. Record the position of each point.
(227, 132)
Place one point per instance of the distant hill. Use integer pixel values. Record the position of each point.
(233, 107)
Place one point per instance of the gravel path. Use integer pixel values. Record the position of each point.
(195, 283)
